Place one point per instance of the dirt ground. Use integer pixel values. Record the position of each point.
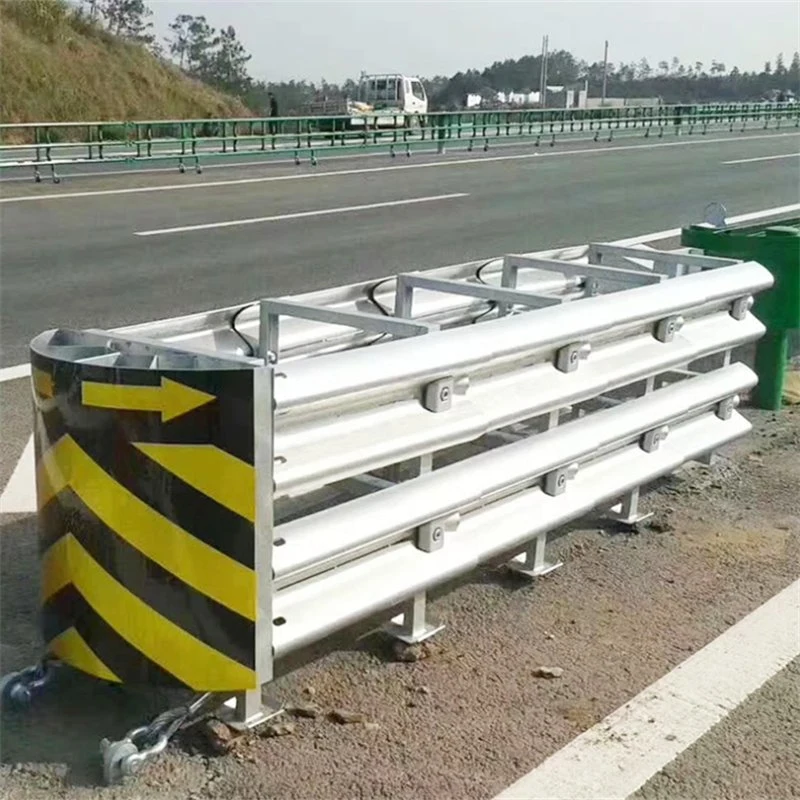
(626, 607)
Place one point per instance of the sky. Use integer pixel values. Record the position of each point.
(337, 40)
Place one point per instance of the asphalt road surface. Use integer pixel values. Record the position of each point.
(75, 259)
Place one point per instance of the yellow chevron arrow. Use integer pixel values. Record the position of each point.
(171, 399)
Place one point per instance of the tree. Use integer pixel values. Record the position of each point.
(663, 67)
(644, 70)
(193, 42)
(127, 18)
(203, 40)
(767, 68)
(179, 44)
(698, 68)
(780, 67)
(91, 7)
(228, 67)
(675, 68)
(794, 70)
(717, 68)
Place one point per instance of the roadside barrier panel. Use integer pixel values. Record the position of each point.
(190, 143)
(221, 490)
(776, 245)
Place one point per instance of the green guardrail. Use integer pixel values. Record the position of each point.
(776, 245)
(44, 144)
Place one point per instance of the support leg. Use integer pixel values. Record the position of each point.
(627, 512)
(413, 626)
(533, 562)
(248, 711)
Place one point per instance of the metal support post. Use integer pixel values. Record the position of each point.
(412, 626)
(627, 511)
(249, 710)
(533, 562)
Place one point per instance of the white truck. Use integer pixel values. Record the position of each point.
(393, 97)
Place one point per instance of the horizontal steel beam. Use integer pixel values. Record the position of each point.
(314, 454)
(403, 365)
(477, 480)
(313, 609)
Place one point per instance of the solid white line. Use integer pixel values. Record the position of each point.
(620, 754)
(19, 495)
(672, 232)
(761, 158)
(474, 161)
(322, 212)
(15, 373)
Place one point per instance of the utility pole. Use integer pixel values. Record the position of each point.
(605, 74)
(543, 74)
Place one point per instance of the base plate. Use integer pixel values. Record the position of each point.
(398, 631)
(518, 565)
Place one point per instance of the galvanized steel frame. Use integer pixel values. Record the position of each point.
(342, 533)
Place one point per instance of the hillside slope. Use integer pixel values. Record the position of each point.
(56, 66)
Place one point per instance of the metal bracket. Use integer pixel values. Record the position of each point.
(591, 287)
(431, 535)
(407, 282)
(726, 407)
(513, 262)
(439, 395)
(740, 307)
(555, 482)
(568, 358)
(667, 328)
(652, 439)
(272, 310)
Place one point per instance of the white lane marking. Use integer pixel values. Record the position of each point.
(749, 217)
(176, 187)
(760, 158)
(15, 373)
(19, 496)
(622, 752)
(321, 212)
(24, 370)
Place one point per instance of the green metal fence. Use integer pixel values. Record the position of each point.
(192, 142)
(776, 245)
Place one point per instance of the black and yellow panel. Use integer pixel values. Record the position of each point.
(146, 496)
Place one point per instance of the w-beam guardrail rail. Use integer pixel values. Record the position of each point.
(220, 490)
(187, 142)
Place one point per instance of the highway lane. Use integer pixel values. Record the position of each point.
(77, 261)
